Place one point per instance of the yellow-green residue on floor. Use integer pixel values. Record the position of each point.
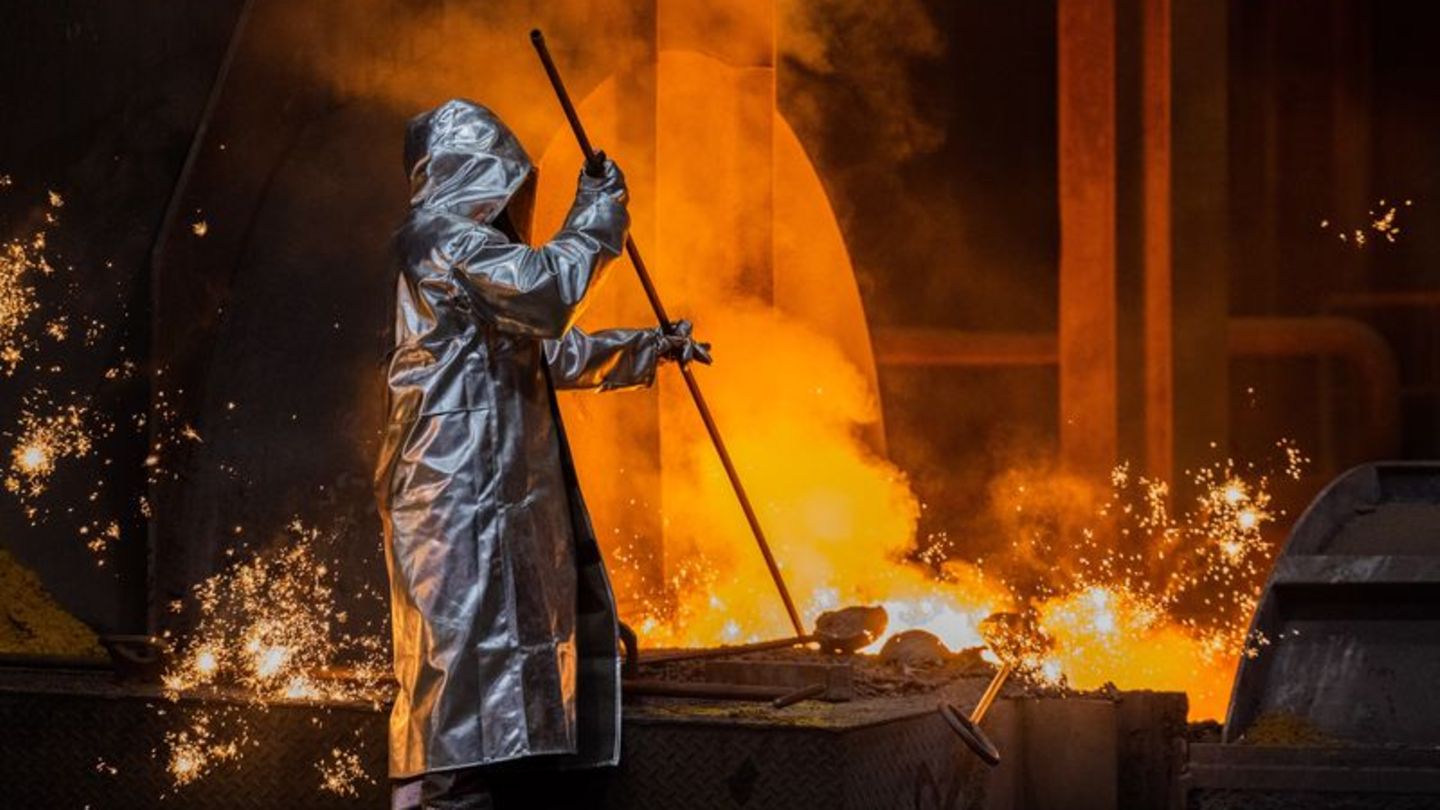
(32, 623)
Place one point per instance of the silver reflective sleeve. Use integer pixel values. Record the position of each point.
(540, 291)
(611, 359)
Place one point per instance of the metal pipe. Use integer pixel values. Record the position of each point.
(992, 691)
(631, 643)
(1392, 299)
(1362, 349)
(592, 165)
(953, 347)
(814, 690)
(967, 727)
(722, 652)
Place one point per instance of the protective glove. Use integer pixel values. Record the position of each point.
(678, 346)
(610, 180)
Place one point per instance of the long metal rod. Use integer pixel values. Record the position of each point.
(992, 691)
(723, 652)
(592, 165)
(716, 691)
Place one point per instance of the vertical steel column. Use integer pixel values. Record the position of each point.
(1159, 373)
(1200, 228)
(1088, 333)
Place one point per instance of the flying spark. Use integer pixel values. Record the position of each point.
(269, 630)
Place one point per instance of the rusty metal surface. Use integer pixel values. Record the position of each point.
(1157, 236)
(1088, 309)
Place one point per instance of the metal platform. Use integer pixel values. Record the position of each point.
(75, 740)
(1231, 777)
(873, 754)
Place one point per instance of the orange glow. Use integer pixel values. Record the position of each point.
(206, 664)
(47, 434)
(32, 459)
(741, 239)
(761, 268)
(1113, 635)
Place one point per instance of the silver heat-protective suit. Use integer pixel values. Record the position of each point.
(504, 622)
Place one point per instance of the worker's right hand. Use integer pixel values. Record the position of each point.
(678, 344)
(610, 179)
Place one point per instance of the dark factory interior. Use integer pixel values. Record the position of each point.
(1092, 345)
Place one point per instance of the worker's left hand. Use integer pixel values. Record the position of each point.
(678, 345)
(607, 180)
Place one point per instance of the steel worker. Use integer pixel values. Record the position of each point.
(503, 619)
